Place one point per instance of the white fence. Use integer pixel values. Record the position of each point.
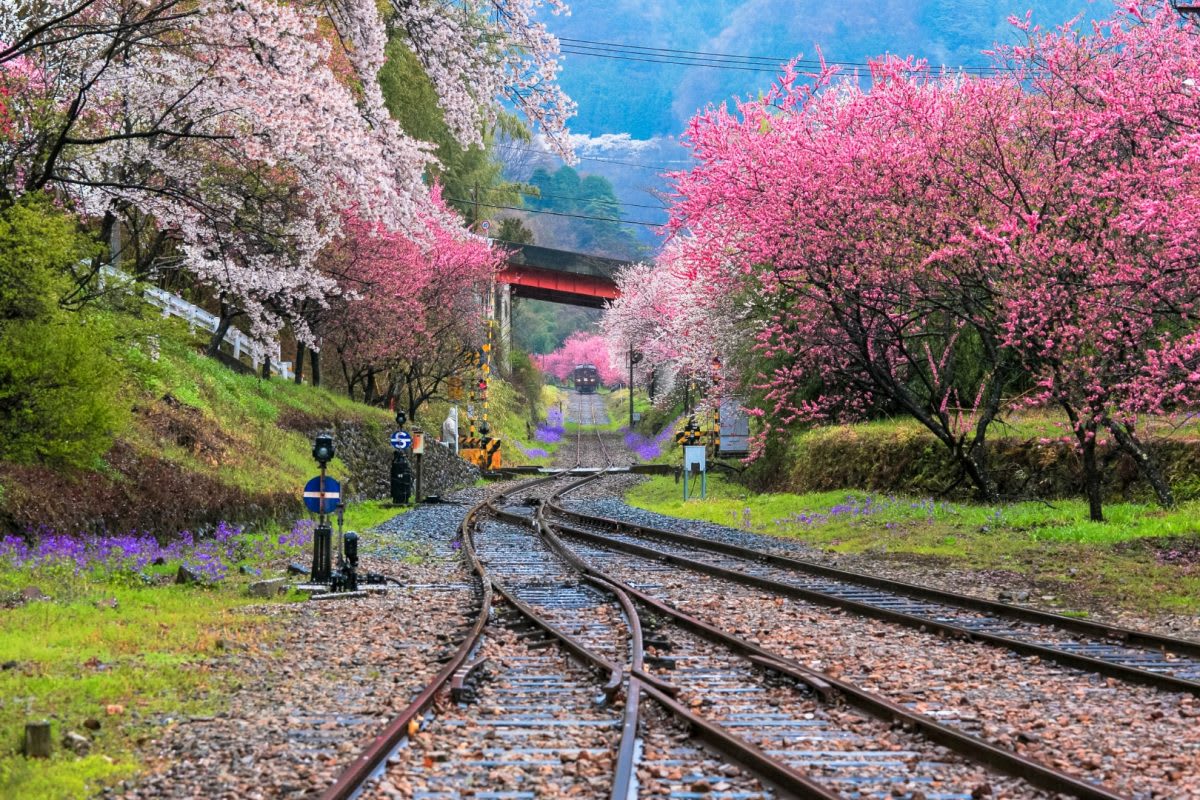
(238, 344)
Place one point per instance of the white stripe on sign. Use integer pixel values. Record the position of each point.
(327, 495)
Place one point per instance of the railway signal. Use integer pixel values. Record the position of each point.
(401, 483)
(322, 496)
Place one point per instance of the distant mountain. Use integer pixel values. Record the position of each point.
(650, 99)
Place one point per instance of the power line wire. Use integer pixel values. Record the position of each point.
(590, 199)
(979, 71)
(623, 46)
(594, 47)
(775, 69)
(656, 167)
(561, 213)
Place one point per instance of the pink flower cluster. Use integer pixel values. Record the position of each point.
(583, 347)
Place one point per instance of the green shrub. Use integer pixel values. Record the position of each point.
(58, 392)
(58, 379)
(38, 244)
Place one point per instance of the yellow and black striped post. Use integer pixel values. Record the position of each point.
(716, 391)
(485, 374)
(474, 360)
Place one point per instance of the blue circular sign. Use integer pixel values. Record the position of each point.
(401, 440)
(322, 495)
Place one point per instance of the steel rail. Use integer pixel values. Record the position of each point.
(624, 769)
(789, 782)
(976, 749)
(1049, 652)
(1024, 613)
(362, 768)
(965, 744)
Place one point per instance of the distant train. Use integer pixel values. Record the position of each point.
(586, 378)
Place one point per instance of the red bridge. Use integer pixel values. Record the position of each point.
(559, 276)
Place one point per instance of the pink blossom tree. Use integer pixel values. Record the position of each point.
(410, 312)
(1095, 239)
(937, 241)
(669, 315)
(584, 347)
(823, 210)
(239, 134)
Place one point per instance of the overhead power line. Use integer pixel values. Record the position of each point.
(561, 214)
(657, 167)
(545, 196)
(701, 58)
(674, 62)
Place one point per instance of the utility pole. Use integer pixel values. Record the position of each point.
(634, 357)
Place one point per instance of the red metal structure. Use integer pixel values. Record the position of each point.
(559, 276)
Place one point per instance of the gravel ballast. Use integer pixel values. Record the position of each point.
(326, 681)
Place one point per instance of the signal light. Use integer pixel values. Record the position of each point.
(322, 451)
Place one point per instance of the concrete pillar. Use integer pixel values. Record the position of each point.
(504, 334)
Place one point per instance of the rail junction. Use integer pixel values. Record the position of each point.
(591, 664)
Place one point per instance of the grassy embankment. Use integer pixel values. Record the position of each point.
(1142, 558)
(111, 648)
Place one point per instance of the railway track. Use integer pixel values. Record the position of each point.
(505, 702)
(848, 750)
(573, 678)
(1151, 659)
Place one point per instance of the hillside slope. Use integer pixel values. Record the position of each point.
(202, 444)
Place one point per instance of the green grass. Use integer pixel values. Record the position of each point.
(369, 514)
(1052, 542)
(617, 403)
(255, 453)
(124, 667)
(153, 654)
(1028, 424)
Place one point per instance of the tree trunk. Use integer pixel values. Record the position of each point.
(266, 368)
(414, 400)
(316, 367)
(1146, 463)
(975, 464)
(1091, 474)
(226, 319)
(369, 387)
(298, 372)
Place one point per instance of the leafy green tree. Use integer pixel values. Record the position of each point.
(472, 179)
(565, 191)
(39, 247)
(511, 229)
(59, 384)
